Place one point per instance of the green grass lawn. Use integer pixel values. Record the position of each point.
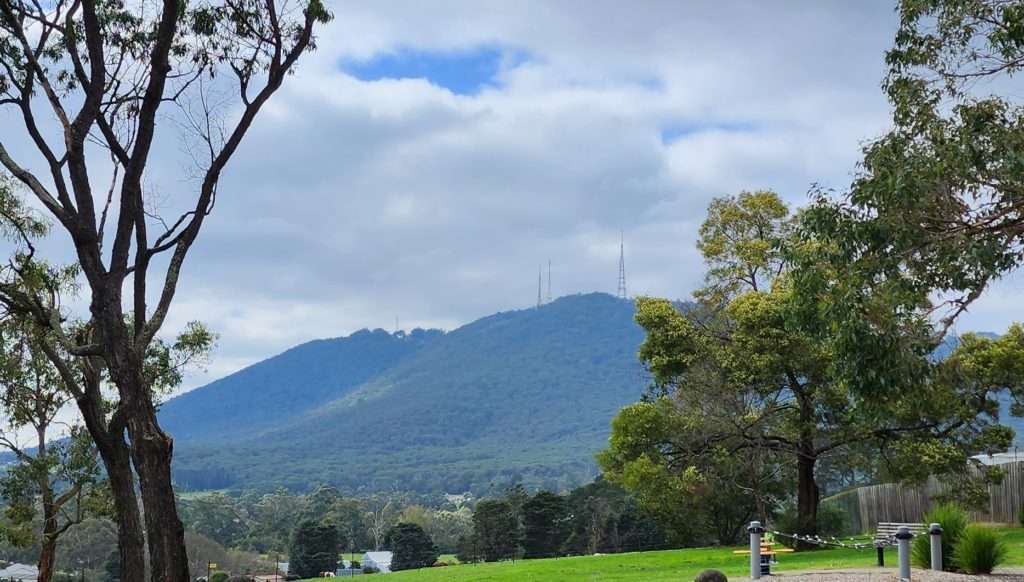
(676, 565)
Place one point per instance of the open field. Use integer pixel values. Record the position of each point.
(674, 565)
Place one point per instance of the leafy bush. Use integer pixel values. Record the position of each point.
(219, 577)
(953, 520)
(1020, 516)
(370, 570)
(979, 550)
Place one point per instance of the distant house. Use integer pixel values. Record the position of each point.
(26, 573)
(379, 560)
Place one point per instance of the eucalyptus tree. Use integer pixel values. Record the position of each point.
(748, 376)
(937, 207)
(59, 476)
(105, 72)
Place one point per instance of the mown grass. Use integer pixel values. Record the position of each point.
(674, 565)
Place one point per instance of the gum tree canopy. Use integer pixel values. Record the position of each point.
(747, 376)
(937, 208)
(88, 80)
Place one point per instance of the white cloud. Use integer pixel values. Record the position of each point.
(355, 202)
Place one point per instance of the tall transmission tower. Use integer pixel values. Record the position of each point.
(622, 268)
(549, 281)
(540, 299)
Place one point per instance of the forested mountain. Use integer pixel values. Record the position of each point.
(275, 391)
(522, 396)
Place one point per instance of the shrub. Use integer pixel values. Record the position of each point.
(979, 550)
(711, 576)
(219, 577)
(370, 570)
(953, 520)
(1020, 516)
(412, 547)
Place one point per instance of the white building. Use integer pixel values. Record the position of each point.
(1014, 456)
(379, 560)
(24, 573)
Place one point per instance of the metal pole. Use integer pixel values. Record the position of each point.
(935, 533)
(755, 530)
(903, 537)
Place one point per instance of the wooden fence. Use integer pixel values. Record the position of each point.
(866, 506)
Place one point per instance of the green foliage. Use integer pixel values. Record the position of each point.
(604, 518)
(547, 379)
(740, 241)
(544, 525)
(219, 577)
(217, 517)
(979, 550)
(747, 386)
(953, 520)
(496, 531)
(411, 547)
(937, 207)
(314, 549)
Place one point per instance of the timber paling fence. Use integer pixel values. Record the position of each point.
(865, 507)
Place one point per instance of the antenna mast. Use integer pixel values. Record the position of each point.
(549, 281)
(540, 299)
(622, 267)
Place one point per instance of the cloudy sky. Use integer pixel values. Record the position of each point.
(431, 155)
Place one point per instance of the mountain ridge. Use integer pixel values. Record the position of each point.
(522, 396)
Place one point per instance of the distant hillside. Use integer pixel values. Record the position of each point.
(275, 391)
(521, 396)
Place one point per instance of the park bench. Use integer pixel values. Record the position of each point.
(886, 534)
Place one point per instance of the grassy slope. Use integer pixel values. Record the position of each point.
(667, 565)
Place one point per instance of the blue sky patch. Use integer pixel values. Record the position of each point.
(461, 72)
(674, 131)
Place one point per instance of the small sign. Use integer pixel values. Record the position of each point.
(211, 565)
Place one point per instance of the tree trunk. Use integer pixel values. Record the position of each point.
(48, 548)
(152, 450)
(47, 556)
(116, 459)
(130, 535)
(807, 494)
